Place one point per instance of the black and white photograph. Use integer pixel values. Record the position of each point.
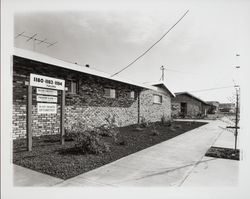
(117, 95)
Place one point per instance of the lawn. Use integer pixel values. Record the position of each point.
(63, 161)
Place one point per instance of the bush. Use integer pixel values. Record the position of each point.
(143, 122)
(90, 142)
(165, 121)
(87, 140)
(154, 131)
(110, 129)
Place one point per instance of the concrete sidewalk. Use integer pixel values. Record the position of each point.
(215, 171)
(27, 177)
(179, 161)
(166, 164)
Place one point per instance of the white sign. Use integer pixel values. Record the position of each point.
(46, 82)
(46, 91)
(42, 98)
(45, 108)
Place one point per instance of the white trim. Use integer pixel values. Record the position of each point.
(53, 61)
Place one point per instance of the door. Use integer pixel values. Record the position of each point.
(183, 108)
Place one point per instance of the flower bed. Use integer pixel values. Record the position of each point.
(225, 153)
(66, 161)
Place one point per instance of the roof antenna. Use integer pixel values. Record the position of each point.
(35, 40)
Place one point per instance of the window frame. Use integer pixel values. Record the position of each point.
(130, 95)
(110, 93)
(160, 97)
(70, 87)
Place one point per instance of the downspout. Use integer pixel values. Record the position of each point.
(138, 108)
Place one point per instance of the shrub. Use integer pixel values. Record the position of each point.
(110, 129)
(87, 139)
(143, 122)
(90, 142)
(165, 121)
(154, 131)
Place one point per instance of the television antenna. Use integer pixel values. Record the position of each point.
(36, 41)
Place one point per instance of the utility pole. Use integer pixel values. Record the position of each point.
(162, 72)
(236, 118)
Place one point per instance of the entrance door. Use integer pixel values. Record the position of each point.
(183, 108)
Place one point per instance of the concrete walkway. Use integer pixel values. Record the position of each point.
(216, 172)
(165, 164)
(176, 162)
(26, 177)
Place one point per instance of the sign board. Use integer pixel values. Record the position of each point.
(46, 108)
(46, 91)
(46, 82)
(42, 98)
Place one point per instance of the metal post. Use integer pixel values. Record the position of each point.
(236, 119)
(29, 118)
(62, 132)
(138, 98)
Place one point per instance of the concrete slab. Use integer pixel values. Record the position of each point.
(214, 172)
(26, 177)
(226, 140)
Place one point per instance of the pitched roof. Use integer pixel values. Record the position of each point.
(163, 84)
(57, 62)
(186, 93)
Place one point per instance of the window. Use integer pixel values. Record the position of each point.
(108, 92)
(132, 95)
(73, 87)
(157, 99)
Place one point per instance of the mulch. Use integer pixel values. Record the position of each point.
(225, 153)
(63, 161)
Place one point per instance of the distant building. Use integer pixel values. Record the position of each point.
(227, 107)
(188, 105)
(214, 107)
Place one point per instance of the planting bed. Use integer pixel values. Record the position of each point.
(63, 161)
(226, 153)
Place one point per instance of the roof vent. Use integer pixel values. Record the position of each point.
(87, 65)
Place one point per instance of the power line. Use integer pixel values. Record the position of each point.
(151, 46)
(209, 89)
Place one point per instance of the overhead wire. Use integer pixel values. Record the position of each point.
(209, 89)
(151, 45)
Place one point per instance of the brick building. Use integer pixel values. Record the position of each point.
(188, 105)
(90, 96)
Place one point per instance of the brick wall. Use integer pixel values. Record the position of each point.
(89, 105)
(152, 111)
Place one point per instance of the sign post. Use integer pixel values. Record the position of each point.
(45, 94)
(29, 119)
(62, 132)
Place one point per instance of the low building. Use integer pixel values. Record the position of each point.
(227, 108)
(214, 107)
(91, 96)
(189, 106)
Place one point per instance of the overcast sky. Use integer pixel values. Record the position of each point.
(199, 53)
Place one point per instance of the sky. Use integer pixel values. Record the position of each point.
(198, 54)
